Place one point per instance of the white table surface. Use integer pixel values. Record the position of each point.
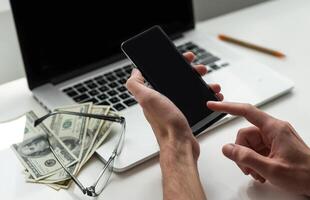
(4, 5)
(283, 24)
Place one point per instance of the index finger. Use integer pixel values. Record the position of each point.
(251, 113)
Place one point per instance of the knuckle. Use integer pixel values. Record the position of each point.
(241, 157)
(240, 133)
(284, 126)
(144, 101)
(147, 99)
(246, 157)
(270, 125)
(242, 136)
(246, 108)
(275, 169)
(287, 124)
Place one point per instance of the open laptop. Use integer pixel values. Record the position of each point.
(71, 52)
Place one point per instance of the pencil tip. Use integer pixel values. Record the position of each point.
(279, 54)
(221, 36)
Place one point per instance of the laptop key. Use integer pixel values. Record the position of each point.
(114, 100)
(111, 78)
(214, 66)
(118, 70)
(112, 93)
(124, 96)
(210, 71)
(113, 85)
(119, 107)
(72, 93)
(120, 74)
(189, 46)
(202, 56)
(224, 65)
(103, 88)
(130, 102)
(102, 97)
(104, 103)
(108, 74)
(122, 81)
(128, 71)
(81, 98)
(101, 81)
(81, 89)
(209, 60)
(78, 85)
(88, 82)
(98, 77)
(93, 92)
(92, 85)
(122, 89)
(67, 89)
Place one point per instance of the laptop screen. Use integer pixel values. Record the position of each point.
(61, 39)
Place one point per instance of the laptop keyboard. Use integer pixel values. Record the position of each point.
(204, 57)
(109, 88)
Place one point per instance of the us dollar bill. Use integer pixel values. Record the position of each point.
(55, 186)
(94, 134)
(35, 153)
(98, 139)
(102, 135)
(93, 129)
(71, 130)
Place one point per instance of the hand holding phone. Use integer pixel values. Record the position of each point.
(169, 73)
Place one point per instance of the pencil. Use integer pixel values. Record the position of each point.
(251, 46)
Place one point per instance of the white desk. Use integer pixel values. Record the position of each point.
(284, 25)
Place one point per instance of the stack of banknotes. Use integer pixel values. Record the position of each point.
(75, 140)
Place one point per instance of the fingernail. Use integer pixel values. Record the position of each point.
(228, 149)
(134, 70)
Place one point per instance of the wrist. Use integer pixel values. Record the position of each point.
(179, 170)
(307, 184)
(181, 153)
(303, 176)
(179, 144)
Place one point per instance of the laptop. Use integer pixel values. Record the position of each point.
(71, 53)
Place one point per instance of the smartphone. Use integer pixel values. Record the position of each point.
(168, 72)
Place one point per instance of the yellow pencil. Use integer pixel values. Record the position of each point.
(251, 46)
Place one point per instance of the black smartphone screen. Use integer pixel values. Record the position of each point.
(168, 72)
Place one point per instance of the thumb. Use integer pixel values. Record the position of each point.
(249, 158)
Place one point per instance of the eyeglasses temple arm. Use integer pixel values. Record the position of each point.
(102, 117)
(78, 183)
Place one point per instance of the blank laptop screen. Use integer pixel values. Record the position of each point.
(60, 39)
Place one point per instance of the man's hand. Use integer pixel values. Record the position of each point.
(270, 150)
(167, 121)
(179, 149)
